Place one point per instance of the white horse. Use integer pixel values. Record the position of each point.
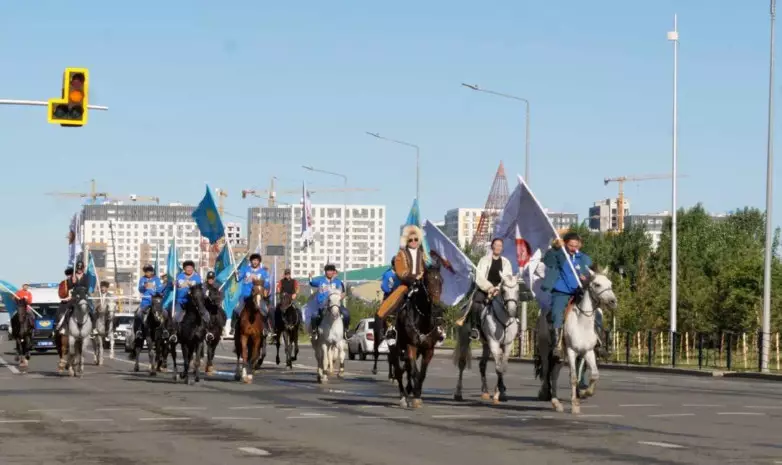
(79, 329)
(580, 339)
(330, 343)
(104, 313)
(499, 329)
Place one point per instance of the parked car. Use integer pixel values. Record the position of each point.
(361, 340)
(122, 323)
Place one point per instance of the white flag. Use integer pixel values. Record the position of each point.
(75, 239)
(457, 278)
(306, 217)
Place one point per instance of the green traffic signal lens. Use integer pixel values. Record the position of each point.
(76, 112)
(61, 111)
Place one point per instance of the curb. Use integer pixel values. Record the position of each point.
(644, 368)
(753, 375)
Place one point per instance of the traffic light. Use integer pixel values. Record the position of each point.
(71, 109)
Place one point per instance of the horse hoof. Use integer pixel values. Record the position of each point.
(71, 373)
(417, 403)
(544, 397)
(247, 379)
(278, 360)
(458, 397)
(16, 359)
(503, 397)
(190, 381)
(135, 369)
(575, 409)
(495, 401)
(237, 377)
(557, 405)
(341, 374)
(485, 396)
(403, 402)
(152, 373)
(374, 371)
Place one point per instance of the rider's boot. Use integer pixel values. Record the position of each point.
(558, 345)
(93, 319)
(603, 351)
(475, 319)
(315, 325)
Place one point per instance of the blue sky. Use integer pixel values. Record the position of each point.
(201, 91)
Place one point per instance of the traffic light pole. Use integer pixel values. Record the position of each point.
(39, 103)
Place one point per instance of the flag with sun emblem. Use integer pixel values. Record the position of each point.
(208, 219)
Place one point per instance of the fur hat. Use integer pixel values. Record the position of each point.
(413, 230)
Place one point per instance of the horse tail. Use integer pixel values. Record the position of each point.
(461, 352)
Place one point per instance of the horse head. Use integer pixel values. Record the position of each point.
(257, 293)
(434, 283)
(333, 303)
(286, 300)
(212, 299)
(197, 297)
(80, 300)
(156, 308)
(510, 294)
(601, 289)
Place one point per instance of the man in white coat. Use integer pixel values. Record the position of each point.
(492, 269)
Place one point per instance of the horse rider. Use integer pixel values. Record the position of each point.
(324, 285)
(184, 281)
(64, 295)
(286, 285)
(24, 293)
(561, 283)
(492, 269)
(79, 279)
(211, 288)
(148, 285)
(409, 265)
(249, 273)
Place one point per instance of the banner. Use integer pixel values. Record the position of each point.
(75, 239)
(208, 219)
(307, 234)
(459, 271)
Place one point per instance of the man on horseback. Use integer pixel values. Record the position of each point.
(24, 295)
(148, 285)
(492, 269)
(63, 293)
(561, 283)
(215, 294)
(286, 285)
(77, 279)
(184, 280)
(325, 284)
(246, 276)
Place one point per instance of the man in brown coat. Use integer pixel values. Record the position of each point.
(409, 266)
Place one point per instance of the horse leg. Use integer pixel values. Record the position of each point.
(152, 352)
(419, 385)
(287, 337)
(199, 353)
(376, 346)
(341, 358)
(482, 366)
(501, 373)
(591, 363)
(172, 349)
(277, 343)
(187, 357)
(413, 377)
(295, 335)
(242, 352)
(325, 364)
(393, 360)
(575, 401)
(210, 356)
(82, 350)
(71, 354)
(497, 354)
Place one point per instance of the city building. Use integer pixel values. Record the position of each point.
(233, 234)
(278, 230)
(562, 221)
(603, 215)
(651, 223)
(460, 224)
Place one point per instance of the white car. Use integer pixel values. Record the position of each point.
(122, 323)
(362, 341)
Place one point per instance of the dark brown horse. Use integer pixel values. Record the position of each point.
(22, 326)
(250, 337)
(419, 326)
(286, 324)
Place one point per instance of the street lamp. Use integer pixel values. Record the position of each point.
(526, 130)
(526, 179)
(674, 37)
(344, 218)
(766, 327)
(417, 160)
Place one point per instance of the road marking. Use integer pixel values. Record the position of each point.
(255, 451)
(247, 407)
(85, 420)
(309, 417)
(741, 413)
(48, 410)
(384, 418)
(184, 408)
(702, 405)
(164, 419)
(664, 415)
(9, 366)
(20, 421)
(640, 405)
(116, 409)
(456, 416)
(236, 418)
(764, 407)
(666, 445)
(600, 415)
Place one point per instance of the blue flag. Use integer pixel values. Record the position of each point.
(223, 264)
(208, 219)
(414, 218)
(232, 290)
(7, 293)
(172, 270)
(92, 275)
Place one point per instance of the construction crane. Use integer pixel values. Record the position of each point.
(271, 194)
(620, 199)
(221, 195)
(94, 195)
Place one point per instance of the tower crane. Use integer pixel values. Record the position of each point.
(271, 194)
(221, 195)
(94, 194)
(620, 199)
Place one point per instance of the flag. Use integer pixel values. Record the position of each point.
(458, 278)
(223, 262)
(157, 260)
(75, 239)
(232, 289)
(208, 219)
(527, 233)
(306, 217)
(414, 218)
(7, 294)
(92, 275)
(172, 270)
(273, 284)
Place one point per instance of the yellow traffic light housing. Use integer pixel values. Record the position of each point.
(71, 109)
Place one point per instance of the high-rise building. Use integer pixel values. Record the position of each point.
(562, 220)
(603, 215)
(460, 224)
(652, 223)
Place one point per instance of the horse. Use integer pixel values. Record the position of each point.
(190, 336)
(383, 331)
(579, 339)
(79, 330)
(286, 324)
(419, 325)
(104, 312)
(329, 344)
(22, 325)
(250, 336)
(153, 330)
(217, 320)
(499, 328)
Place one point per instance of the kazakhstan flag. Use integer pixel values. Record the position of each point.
(223, 264)
(233, 290)
(208, 219)
(7, 294)
(92, 275)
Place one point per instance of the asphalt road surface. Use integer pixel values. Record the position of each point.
(114, 416)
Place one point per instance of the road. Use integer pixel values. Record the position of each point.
(115, 416)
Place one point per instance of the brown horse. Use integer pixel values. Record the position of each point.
(22, 325)
(419, 325)
(250, 336)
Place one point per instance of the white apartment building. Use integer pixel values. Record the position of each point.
(461, 223)
(233, 233)
(603, 214)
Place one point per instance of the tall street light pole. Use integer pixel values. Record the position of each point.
(674, 37)
(417, 160)
(526, 179)
(766, 339)
(344, 220)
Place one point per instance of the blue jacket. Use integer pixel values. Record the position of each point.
(390, 281)
(245, 277)
(183, 288)
(566, 282)
(147, 293)
(324, 288)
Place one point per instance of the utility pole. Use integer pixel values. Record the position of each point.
(674, 37)
(766, 338)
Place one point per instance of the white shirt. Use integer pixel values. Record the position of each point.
(414, 256)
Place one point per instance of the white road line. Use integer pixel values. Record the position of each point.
(20, 421)
(309, 417)
(247, 407)
(10, 367)
(236, 418)
(184, 408)
(456, 416)
(255, 451)
(116, 409)
(164, 419)
(49, 410)
(384, 418)
(741, 413)
(600, 415)
(664, 415)
(640, 405)
(702, 405)
(764, 407)
(86, 420)
(666, 445)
